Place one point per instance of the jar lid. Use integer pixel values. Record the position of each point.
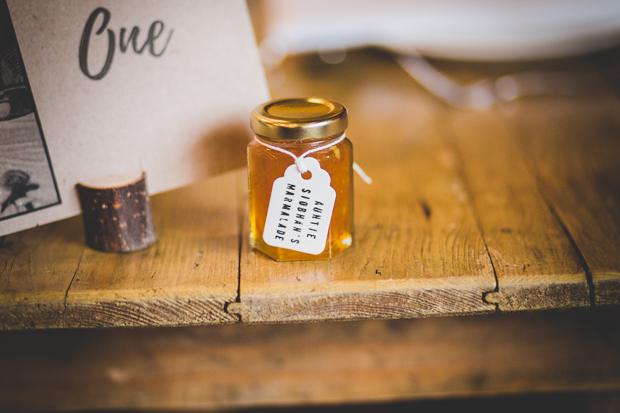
(299, 119)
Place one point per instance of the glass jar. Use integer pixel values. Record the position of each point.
(290, 215)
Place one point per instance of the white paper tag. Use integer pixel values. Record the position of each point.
(300, 210)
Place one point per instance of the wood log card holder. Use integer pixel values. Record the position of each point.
(117, 217)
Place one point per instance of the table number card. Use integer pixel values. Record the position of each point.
(90, 89)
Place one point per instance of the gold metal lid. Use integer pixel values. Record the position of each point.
(299, 119)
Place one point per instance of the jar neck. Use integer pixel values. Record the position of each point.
(305, 143)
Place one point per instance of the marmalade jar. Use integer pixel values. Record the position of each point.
(289, 219)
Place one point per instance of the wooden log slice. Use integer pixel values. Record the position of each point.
(117, 218)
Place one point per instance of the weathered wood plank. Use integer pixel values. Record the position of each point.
(566, 95)
(231, 366)
(36, 268)
(417, 250)
(574, 149)
(441, 176)
(534, 261)
(186, 278)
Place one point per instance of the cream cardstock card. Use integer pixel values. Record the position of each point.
(91, 89)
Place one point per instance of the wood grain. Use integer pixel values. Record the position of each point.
(36, 268)
(575, 150)
(568, 141)
(512, 209)
(186, 278)
(417, 250)
(535, 263)
(233, 366)
(534, 258)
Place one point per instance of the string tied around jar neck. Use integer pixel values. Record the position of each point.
(299, 160)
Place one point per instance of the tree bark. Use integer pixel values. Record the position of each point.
(117, 219)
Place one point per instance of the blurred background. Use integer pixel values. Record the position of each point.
(482, 31)
(467, 30)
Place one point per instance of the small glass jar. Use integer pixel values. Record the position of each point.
(314, 127)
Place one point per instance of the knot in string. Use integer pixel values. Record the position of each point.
(300, 165)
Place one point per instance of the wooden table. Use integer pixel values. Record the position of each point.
(470, 212)
(514, 208)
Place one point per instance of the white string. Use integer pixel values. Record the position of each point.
(362, 174)
(299, 159)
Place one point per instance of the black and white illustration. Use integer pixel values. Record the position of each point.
(26, 177)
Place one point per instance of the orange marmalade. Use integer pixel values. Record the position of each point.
(285, 130)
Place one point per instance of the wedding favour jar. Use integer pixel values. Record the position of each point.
(300, 167)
